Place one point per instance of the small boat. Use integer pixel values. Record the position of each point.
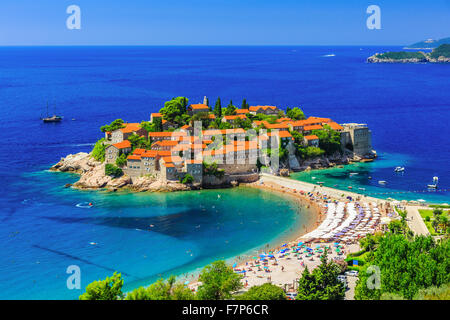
(353, 173)
(399, 169)
(363, 189)
(435, 183)
(382, 182)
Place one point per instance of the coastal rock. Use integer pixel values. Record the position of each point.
(78, 163)
(94, 178)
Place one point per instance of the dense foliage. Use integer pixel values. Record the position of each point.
(188, 179)
(322, 282)
(406, 266)
(267, 291)
(295, 113)
(98, 152)
(329, 139)
(174, 110)
(400, 55)
(108, 289)
(112, 171)
(443, 50)
(162, 290)
(116, 124)
(213, 170)
(219, 281)
(121, 160)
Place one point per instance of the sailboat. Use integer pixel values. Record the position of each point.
(399, 169)
(53, 118)
(435, 183)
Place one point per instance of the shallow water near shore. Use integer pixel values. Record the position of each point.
(142, 235)
(363, 178)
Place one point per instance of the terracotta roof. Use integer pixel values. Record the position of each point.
(284, 134)
(256, 108)
(130, 127)
(157, 115)
(335, 126)
(211, 116)
(312, 137)
(186, 127)
(164, 153)
(199, 106)
(167, 134)
(138, 151)
(169, 165)
(134, 157)
(166, 143)
(242, 111)
(276, 125)
(242, 116)
(313, 127)
(194, 161)
(149, 154)
(319, 119)
(298, 123)
(284, 119)
(123, 145)
(258, 122)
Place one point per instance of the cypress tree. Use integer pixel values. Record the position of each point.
(218, 108)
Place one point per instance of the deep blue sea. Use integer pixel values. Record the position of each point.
(407, 107)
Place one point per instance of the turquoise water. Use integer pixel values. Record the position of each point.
(47, 232)
(364, 179)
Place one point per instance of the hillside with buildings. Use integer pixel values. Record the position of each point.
(187, 146)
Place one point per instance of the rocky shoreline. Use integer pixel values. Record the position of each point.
(92, 177)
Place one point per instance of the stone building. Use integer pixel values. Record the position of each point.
(113, 151)
(357, 137)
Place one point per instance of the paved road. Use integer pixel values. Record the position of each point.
(350, 293)
(415, 221)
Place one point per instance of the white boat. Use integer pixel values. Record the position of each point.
(399, 169)
(382, 182)
(435, 183)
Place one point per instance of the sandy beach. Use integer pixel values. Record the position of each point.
(283, 265)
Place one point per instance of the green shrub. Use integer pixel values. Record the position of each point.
(266, 291)
(98, 153)
(112, 170)
(121, 160)
(188, 179)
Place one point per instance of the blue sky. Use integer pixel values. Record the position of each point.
(222, 22)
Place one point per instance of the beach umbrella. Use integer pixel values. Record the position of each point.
(300, 243)
(262, 256)
(234, 265)
(284, 245)
(186, 283)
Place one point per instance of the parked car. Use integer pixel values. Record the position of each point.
(343, 279)
(291, 295)
(351, 273)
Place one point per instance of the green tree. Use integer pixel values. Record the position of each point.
(245, 105)
(138, 142)
(162, 290)
(322, 282)
(219, 281)
(174, 109)
(112, 171)
(329, 139)
(218, 109)
(230, 109)
(116, 124)
(188, 179)
(98, 152)
(267, 291)
(406, 266)
(295, 113)
(121, 160)
(108, 289)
